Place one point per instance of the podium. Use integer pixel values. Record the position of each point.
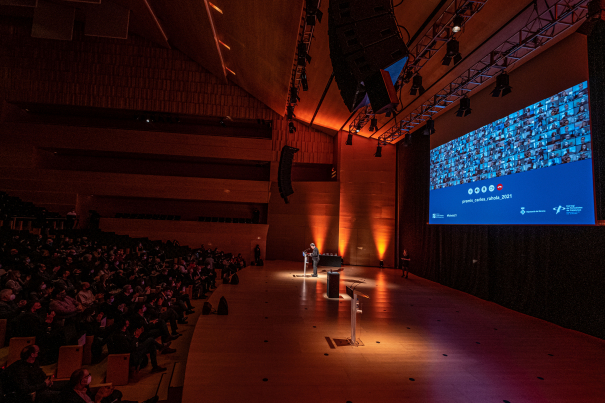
(306, 261)
(355, 309)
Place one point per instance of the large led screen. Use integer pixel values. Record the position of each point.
(531, 167)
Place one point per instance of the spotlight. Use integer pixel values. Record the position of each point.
(357, 128)
(304, 82)
(378, 150)
(457, 25)
(502, 85)
(382, 264)
(303, 56)
(453, 52)
(313, 12)
(417, 85)
(429, 128)
(408, 75)
(292, 127)
(290, 112)
(465, 107)
(349, 141)
(374, 124)
(294, 98)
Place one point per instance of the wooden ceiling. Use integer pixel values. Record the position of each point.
(261, 37)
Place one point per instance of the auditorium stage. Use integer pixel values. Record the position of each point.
(422, 343)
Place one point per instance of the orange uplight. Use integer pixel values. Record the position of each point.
(229, 70)
(215, 7)
(224, 44)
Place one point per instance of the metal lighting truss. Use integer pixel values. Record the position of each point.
(434, 39)
(439, 34)
(305, 36)
(558, 16)
(362, 119)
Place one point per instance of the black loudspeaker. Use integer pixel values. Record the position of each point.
(381, 92)
(260, 262)
(226, 279)
(284, 176)
(345, 12)
(223, 308)
(207, 308)
(234, 279)
(364, 39)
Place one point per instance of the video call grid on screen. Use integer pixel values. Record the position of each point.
(551, 132)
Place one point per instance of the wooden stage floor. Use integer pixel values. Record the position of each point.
(423, 342)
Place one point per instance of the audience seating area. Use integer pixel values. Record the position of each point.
(78, 298)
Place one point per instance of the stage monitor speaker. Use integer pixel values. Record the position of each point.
(223, 308)
(333, 284)
(207, 308)
(348, 11)
(381, 92)
(234, 279)
(284, 175)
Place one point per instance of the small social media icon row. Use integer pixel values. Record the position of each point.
(484, 189)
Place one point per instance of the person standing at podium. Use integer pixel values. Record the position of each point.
(315, 257)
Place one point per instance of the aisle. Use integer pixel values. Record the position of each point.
(422, 343)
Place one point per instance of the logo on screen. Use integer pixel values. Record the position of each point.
(470, 191)
(492, 188)
(559, 209)
(484, 189)
(477, 190)
(499, 187)
(522, 210)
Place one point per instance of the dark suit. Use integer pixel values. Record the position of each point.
(315, 257)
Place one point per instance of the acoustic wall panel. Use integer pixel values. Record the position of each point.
(53, 21)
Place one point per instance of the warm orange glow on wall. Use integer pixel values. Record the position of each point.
(215, 7)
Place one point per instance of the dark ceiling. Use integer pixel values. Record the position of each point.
(252, 43)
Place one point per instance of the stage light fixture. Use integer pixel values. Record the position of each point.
(290, 112)
(349, 141)
(457, 23)
(313, 12)
(465, 107)
(502, 86)
(294, 98)
(378, 152)
(303, 81)
(452, 52)
(291, 127)
(373, 124)
(417, 85)
(303, 56)
(429, 128)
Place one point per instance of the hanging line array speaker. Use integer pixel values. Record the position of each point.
(284, 175)
(364, 39)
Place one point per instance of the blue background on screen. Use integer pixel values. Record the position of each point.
(541, 155)
(535, 198)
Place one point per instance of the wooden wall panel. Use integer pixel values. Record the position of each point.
(367, 202)
(233, 238)
(311, 216)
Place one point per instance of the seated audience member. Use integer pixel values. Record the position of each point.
(25, 377)
(64, 306)
(8, 308)
(85, 296)
(78, 391)
(153, 327)
(138, 346)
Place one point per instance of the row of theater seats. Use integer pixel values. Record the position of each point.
(148, 216)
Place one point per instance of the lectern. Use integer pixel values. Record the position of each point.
(355, 309)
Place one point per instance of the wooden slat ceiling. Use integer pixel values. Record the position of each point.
(262, 37)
